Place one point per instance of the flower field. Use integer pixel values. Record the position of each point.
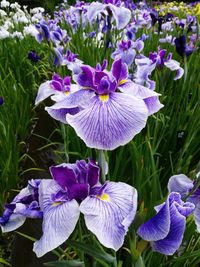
(100, 134)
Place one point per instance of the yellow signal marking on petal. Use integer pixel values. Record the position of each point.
(122, 82)
(104, 98)
(55, 204)
(67, 93)
(104, 197)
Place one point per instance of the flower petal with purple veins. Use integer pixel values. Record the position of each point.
(165, 230)
(59, 114)
(172, 241)
(157, 227)
(45, 90)
(110, 121)
(181, 184)
(109, 214)
(93, 10)
(59, 219)
(121, 15)
(150, 97)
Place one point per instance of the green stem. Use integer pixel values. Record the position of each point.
(185, 69)
(102, 164)
(65, 133)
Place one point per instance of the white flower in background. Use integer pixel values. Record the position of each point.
(4, 34)
(15, 6)
(2, 13)
(30, 30)
(37, 17)
(4, 3)
(37, 10)
(17, 35)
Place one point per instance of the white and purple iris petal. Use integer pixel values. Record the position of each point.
(109, 211)
(120, 14)
(184, 186)
(60, 216)
(165, 230)
(25, 204)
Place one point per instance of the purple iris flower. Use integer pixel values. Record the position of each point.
(120, 14)
(59, 89)
(126, 50)
(1, 100)
(67, 58)
(113, 109)
(184, 186)
(25, 204)
(166, 229)
(145, 66)
(33, 56)
(108, 209)
(182, 48)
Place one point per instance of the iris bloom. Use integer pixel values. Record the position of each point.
(165, 230)
(25, 204)
(184, 186)
(112, 109)
(120, 14)
(58, 89)
(33, 56)
(145, 66)
(108, 209)
(126, 50)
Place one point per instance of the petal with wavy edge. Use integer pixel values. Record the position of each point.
(111, 123)
(109, 217)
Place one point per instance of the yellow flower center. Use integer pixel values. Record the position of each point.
(104, 197)
(104, 98)
(66, 93)
(122, 82)
(55, 204)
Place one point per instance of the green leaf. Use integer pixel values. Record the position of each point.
(4, 262)
(92, 251)
(70, 263)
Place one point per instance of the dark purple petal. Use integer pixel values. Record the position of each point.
(119, 70)
(78, 191)
(85, 79)
(93, 173)
(64, 174)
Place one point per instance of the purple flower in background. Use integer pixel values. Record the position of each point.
(126, 51)
(182, 48)
(112, 108)
(108, 209)
(166, 229)
(25, 204)
(33, 56)
(1, 100)
(145, 66)
(187, 188)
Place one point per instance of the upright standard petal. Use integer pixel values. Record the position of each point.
(110, 120)
(109, 213)
(59, 219)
